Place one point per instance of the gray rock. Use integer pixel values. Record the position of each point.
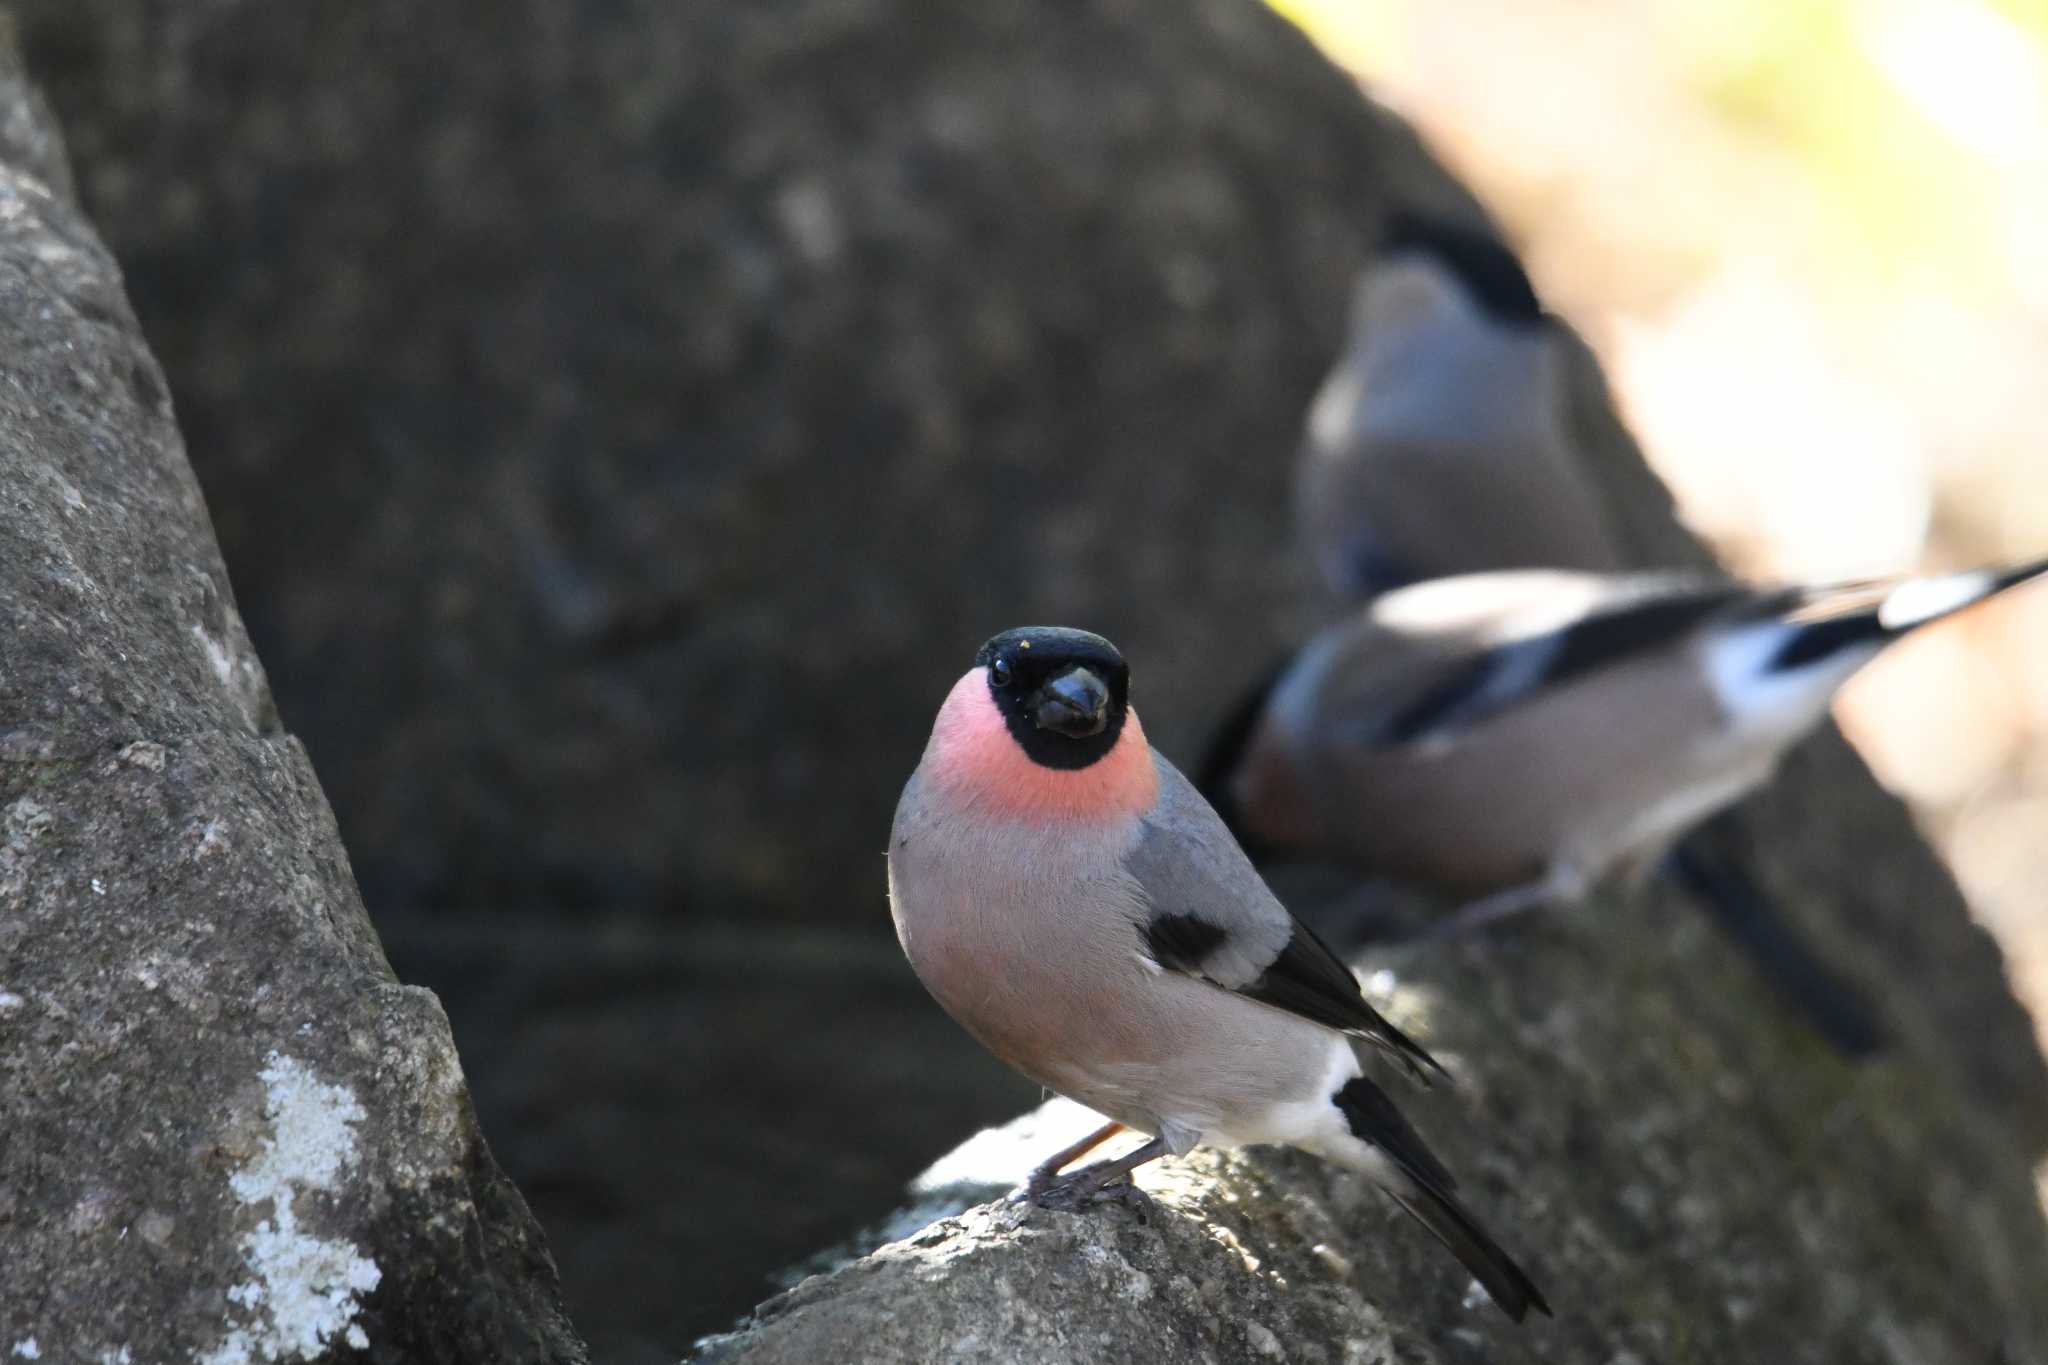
(620, 416)
(689, 1112)
(1690, 1175)
(623, 420)
(227, 1133)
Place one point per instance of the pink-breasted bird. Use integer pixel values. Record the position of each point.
(1519, 736)
(1073, 902)
(1443, 443)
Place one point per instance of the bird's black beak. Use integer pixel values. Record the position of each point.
(1074, 704)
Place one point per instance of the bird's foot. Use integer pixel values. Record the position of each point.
(1127, 1193)
(1094, 1184)
(1047, 1173)
(1560, 886)
(1083, 1189)
(1047, 1186)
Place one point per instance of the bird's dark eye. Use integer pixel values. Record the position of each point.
(999, 672)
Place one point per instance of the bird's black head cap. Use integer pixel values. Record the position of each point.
(1063, 693)
(1482, 264)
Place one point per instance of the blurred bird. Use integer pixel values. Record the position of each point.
(1440, 445)
(1070, 899)
(1518, 736)
(1439, 442)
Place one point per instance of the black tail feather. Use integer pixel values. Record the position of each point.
(1817, 640)
(1505, 1282)
(1426, 1194)
(1225, 752)
(1867, 622)
(2017, 574)
(1836, 1010)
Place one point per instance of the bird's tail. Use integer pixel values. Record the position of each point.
(1836, 1009)
(1827, 621)
(1226, 751)
(1504, 1281)
(1422, 1186)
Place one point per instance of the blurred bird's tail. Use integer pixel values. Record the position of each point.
(1226, 751)
(1420, 1184)
(1825, 622)
(1837, 1010)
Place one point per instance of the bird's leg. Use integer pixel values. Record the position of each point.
(1562, 881)
(1488, 909)
(1084, 1186)
(1044, 1174)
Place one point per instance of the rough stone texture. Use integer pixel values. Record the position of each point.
(1690, 1175)
(227, 1134)
(633, 1076)
(623, 417)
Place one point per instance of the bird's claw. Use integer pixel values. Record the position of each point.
(1127, 1193)
(1034, 1189)
(1081, 1191)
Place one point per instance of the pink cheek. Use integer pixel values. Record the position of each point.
(974, 754)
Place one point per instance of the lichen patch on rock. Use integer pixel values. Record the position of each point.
(306, 1290)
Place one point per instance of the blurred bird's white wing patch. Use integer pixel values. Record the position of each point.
(1924, 599)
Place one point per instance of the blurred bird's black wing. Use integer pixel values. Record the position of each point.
(1630, 616)
(1643, 616)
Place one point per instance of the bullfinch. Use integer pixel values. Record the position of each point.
(1517, 736)
(1440, 441)
(1072, 901)
(1441, 444)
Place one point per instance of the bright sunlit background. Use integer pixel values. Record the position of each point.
(1809, 239)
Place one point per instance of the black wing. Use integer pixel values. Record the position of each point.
(1210, 915)
(1507, 675)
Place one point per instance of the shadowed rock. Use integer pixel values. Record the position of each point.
(227, 1133)
(620, 416)
(623, 420)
